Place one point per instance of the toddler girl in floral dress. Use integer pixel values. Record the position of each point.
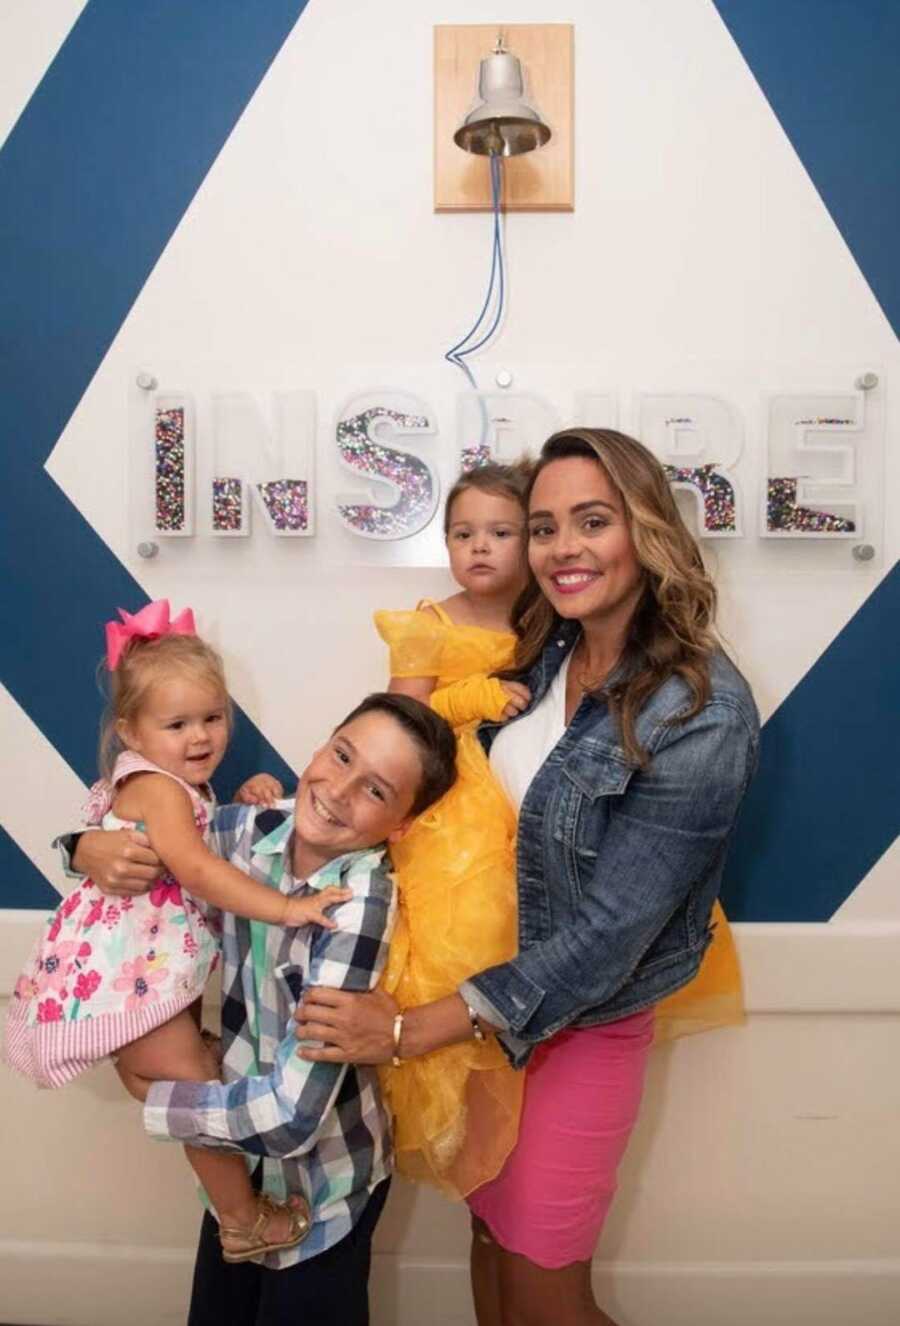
(123, 977)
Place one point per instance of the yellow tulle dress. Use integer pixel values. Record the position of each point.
(456, 1110)
(714, 998)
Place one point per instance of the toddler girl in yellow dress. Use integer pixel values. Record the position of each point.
(456, 1110)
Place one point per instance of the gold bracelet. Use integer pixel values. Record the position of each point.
(398, 1032)
(476, 1025)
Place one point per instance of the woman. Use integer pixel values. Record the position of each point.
(628, 768)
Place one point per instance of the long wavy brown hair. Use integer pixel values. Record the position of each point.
(671, 631)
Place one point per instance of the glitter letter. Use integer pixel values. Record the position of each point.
(173, 459)
(699, 441)
(715, 493)
(813, 450)
(285, 504)
(501, 426)
(785, 515)
(366, 427)
(229, 506)
(249, 458)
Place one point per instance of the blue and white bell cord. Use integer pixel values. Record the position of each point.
(467, 346)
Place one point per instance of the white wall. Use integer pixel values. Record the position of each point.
(762, 1183)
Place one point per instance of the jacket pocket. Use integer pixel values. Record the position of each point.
(660, 958)
(598, 769)
(592, 774)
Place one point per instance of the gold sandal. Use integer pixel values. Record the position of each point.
(254, 1243)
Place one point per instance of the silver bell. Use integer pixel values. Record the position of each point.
(503, 121)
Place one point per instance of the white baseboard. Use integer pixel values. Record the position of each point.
(80, 1284)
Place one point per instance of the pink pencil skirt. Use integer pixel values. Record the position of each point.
(582, 1094)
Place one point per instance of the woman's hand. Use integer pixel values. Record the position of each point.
(261, 790)
(121, 862)
(355, 1028)
(518, 699)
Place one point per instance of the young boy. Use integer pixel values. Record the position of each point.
(319, 1130)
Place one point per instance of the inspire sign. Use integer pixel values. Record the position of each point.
(376, 471)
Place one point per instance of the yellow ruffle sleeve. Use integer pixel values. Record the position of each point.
(425, 643)
(416, 641)
(469, 701)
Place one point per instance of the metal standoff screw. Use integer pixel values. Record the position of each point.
(146, 382)
(863, 552)
(866, 381)
(150, 550)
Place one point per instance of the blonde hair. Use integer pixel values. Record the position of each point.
(144, 664)
(672, 630)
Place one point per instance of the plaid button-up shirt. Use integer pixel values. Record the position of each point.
(319, 1128)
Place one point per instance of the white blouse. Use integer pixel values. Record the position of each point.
(521, 747)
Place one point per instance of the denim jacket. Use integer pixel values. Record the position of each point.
(618, 867)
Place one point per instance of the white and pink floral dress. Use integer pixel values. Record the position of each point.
(108, 970)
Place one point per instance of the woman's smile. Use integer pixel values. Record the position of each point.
(574, 581)
(579, 544)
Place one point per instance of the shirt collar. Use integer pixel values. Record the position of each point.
(277, 843)
(333, 872)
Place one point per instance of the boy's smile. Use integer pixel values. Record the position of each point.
(356, 792)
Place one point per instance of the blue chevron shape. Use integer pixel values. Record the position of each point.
(828, 69)
(825, 804)
(94, 178)
(826, 801)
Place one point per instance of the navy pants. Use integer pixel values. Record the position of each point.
(331, 1289)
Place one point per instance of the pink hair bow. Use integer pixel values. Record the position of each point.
(149, 624)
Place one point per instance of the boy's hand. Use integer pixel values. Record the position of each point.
(260, 790)
(518, 698)
(311, 910)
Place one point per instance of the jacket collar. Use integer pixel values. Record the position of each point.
(539, 678)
